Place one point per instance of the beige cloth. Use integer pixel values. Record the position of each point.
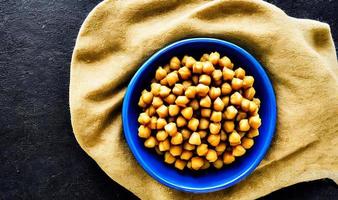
(298, 54)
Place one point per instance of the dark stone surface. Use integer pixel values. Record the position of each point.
(39, 156)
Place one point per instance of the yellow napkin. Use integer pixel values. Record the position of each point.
(298, 54)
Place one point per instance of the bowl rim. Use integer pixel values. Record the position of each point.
(261, 154)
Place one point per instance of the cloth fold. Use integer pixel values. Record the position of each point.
(298, 54)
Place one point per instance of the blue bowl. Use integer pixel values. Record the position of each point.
(206, 180)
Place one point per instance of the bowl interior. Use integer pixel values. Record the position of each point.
(209, 180)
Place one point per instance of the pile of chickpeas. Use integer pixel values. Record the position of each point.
(199, 113)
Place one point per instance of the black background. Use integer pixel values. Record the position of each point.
(39, 157)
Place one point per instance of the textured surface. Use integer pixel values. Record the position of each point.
(40, 158)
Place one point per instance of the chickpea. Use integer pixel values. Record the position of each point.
(244, 125)
(161, 123)
(214, 58)
(195, 139)
(247, 143)
(190, 92)
(236, 98)
(174, 63)
(168, 158)
(177, 139)
(240, 116)
(181, 121)
(184, 73)
(173, 110)
(161, 135)
(211, 155)
(188, 146)
(228, 158)
(193, 124)
(202, 133)
(217, 75)
(218, 104)
(236, 83)
(257, 102)
(214, 139)
(206, 165)
(248, 82)
(186, 155)
(141, 103)
(240, 73)
(214, 92)
(238, 151)
(226, 100)
(162, 111)
(253, 108)
(150, 142)
(216, 116)
(189, 165)
(218, 164)
(205, 79)
(157, 150)
(226, 88)
(195, 79)
(197, 68)
(225, 62)
(144, 132)
(228, 74)
(220, 148)
(187, 113)
(171, 128)
(205, 57)
(242, 134)
(245, 104)
(155, 89)
(205, 112)
(143, 118)
(180, 164)
(182, 101)
(204, 124)
(157, 102)
(202, 90)
(196, 163)
(234, 138)
(167, 68)
(208, 68)
(186, 84)
(186, 133)
(150, 111)
(229, 126)
(255, 121)
(194, 104)
(164, 91)
(202, 149)
(147, 97)
(178, 89)
(172, 78)
(250, 93)
(164, 81)
(164, 145)
(190, 62)
(205, 102)
(230, 112)
(184, 59)
(215, 128)
(223, 136)
(170, 99)
(153, 122)
(160, 74)
(175, 150)
(252, 133)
